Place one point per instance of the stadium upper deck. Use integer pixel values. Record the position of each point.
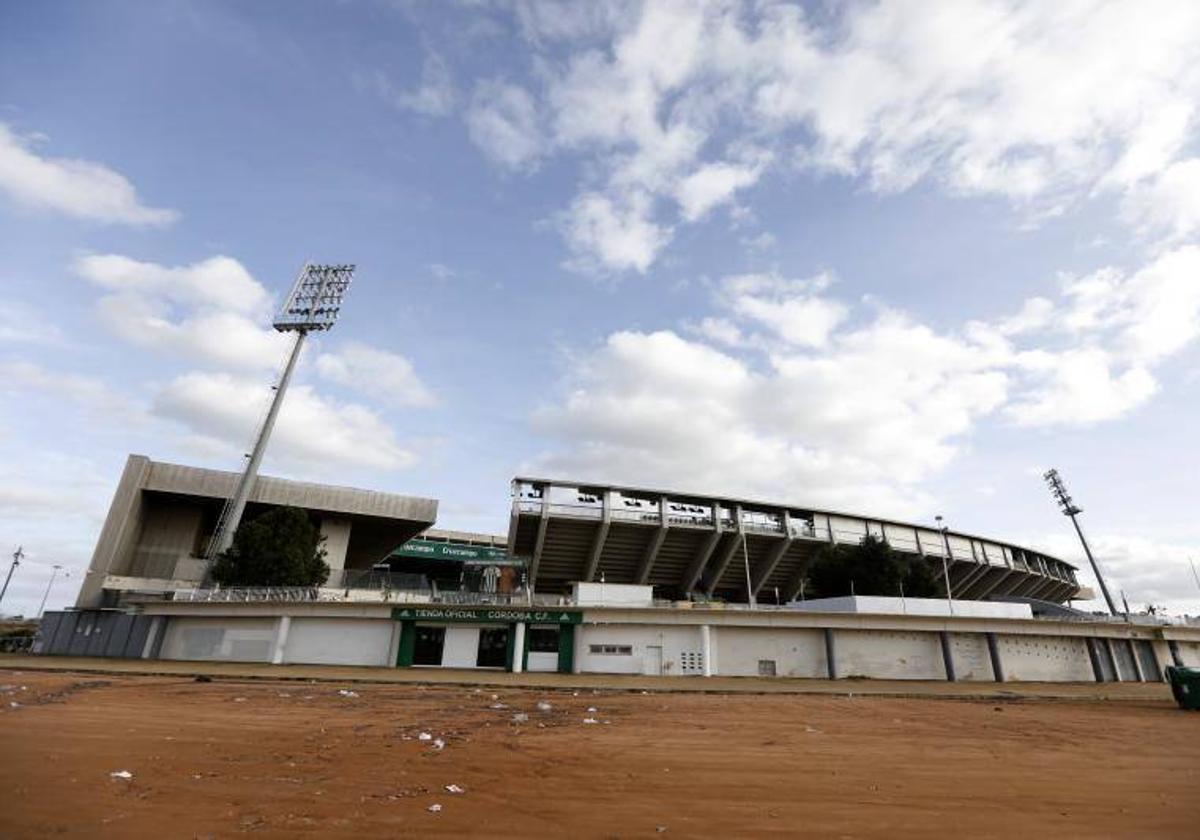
(684, 544)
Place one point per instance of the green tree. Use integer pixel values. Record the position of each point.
(870, 568)
(281, 547)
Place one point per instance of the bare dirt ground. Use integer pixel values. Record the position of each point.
(296, 758)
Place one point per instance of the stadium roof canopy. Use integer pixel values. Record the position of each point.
(686, 544)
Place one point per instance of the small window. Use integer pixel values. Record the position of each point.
(612, 650)
(543, 640)
(766, 667)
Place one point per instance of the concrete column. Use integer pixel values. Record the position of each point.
(948, 656)
(1137, 663)
(154, 638)
(1094, 655)
(1176, 656)
(336, 532)
(706, 648)
(994, 654)
(830, 655)
(518, 647)
(1112, 658)
(281, 633)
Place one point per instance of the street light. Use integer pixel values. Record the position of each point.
(1059, 491)
(945, 560)
(312, 306)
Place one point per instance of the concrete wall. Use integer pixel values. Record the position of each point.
(336, 531)
(339, 641)
(1045, 658)
(226, 639)
(893, 655)
(969, 653)
(170, 531)
(795, 653)
(1189, 652)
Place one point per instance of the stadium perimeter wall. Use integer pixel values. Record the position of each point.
(677, 642)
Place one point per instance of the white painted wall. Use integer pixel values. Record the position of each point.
(1045, 658)
(339, 641)
(796, 653)
(1189, 652)
(612, 594)
(224, 639)
(889, 655)
(884, 605)
(462, 647)
(542, 662)
(674, 641)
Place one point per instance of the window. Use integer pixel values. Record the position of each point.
(543, 640)
(612, 650)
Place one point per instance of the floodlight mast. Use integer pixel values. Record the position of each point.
(1059, 490)
(313, 305)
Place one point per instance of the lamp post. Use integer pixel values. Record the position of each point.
(313, 305)
(1059, 491)
(945, 560)
(53, 574)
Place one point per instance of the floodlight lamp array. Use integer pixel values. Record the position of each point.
(315, 299)
(1059, 490)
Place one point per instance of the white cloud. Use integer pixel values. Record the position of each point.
(312, 430)
(1044, 104)
(212, 311)
(78, 188)
(781, 394)
(619, 235)
(1147, 570)
(384, 376)
(21, 325)
(435, 96)
(88, 390)
(502, 120)
(712, 185)
(1169, 202)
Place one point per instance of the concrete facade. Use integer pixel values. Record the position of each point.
(162, 516)
(651, 641)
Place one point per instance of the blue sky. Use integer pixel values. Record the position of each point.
(883, 257)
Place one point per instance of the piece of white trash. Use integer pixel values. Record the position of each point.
(520, 717)
(424, 736)
(590, 720)
(543, 706)
(345, 692)
(454, 789)
(121, 774)
(591, 708)
(434, 808)
(439, 744)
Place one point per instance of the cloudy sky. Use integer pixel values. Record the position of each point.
(894, 257)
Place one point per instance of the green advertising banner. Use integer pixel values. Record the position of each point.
(470, 554)
(485, 614)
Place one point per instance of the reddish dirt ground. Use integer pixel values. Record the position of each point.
(287, 759)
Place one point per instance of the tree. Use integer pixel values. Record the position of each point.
(871, 568)
(281, 547)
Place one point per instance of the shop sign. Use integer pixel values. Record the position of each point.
(485, 614)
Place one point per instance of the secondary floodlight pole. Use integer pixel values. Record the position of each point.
(53, 574)
(312, 306)
(1059, 490)
(17, 555)
(946, 561)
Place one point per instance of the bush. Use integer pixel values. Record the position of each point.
(871, 568)
(279, 548)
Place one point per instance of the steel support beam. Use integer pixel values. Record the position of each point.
(599, 539)
(765, 567)
(540, 542)
(656, 541)
(692, 576)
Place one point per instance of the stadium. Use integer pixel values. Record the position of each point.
(589, 579)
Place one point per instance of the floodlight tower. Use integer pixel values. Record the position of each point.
(312, 306)
(1059, 490)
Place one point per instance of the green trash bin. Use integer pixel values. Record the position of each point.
(1185, 685)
